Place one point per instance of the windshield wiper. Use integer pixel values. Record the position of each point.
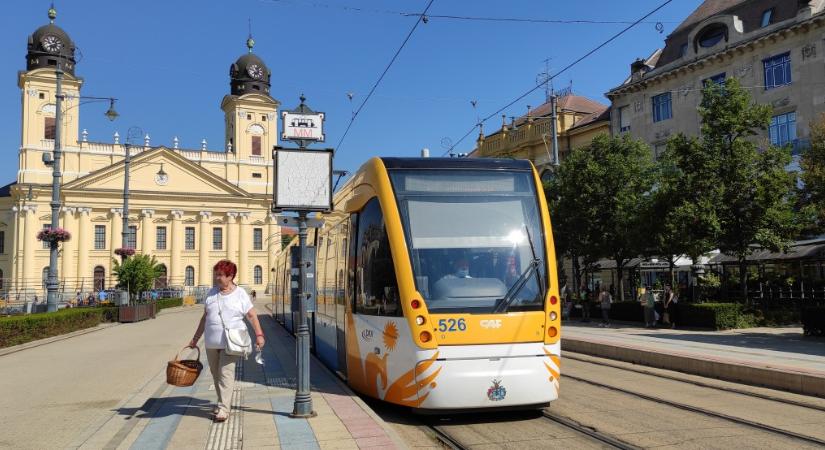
(516, 287)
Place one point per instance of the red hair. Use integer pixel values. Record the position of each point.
(226, 267)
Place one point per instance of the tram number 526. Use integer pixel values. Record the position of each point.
(446, 325)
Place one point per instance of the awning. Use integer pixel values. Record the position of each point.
(799, 251)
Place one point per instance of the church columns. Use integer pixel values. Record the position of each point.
(84, 247)
(231, 236)
(30, 276)
(204, 274)
(146, 231)
(272, 244)
(175, 268)
(243, 248)
(69, 248)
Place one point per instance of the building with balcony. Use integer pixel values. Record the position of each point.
(579, 119)
(187, 207)
(774, 47)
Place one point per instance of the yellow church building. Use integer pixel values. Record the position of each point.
(188, 207)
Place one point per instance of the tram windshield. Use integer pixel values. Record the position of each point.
(474, 237)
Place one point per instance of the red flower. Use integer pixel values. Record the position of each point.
(124, 251)
(53, 235)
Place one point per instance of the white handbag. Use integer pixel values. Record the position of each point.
(238, 341)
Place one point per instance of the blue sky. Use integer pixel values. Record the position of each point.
(168, 62)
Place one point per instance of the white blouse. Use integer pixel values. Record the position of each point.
(234, 305)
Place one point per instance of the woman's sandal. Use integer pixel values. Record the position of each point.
(221, 416)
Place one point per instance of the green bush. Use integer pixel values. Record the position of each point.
(169, 303)
(719, 316)
(813, 320)
(627, 311)
(21, 329)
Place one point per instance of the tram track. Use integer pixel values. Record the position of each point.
(602, 437)
(702, 411)
(441, 433)
(607, 363)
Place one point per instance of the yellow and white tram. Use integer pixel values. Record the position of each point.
(436, 285)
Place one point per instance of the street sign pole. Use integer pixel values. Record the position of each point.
(303, 398)
(302, 188)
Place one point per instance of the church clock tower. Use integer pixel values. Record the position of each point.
(250, 112)
(49, 48)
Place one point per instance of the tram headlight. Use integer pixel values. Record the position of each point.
(553, 315)
(420, 320)
(553, 300)
(552, 332)
(425, 336)
(415, 304)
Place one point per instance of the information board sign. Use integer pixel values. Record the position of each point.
(303, 180)
(302, 126)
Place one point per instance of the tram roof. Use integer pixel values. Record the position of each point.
(457, 163)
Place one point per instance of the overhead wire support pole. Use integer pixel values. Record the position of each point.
(565, 69)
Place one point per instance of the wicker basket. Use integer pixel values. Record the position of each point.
(183, 372)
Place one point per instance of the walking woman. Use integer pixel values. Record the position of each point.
(605, 299)
(225, 299)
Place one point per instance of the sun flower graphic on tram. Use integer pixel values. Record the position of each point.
(390, 336)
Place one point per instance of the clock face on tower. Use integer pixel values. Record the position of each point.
(255, 71)
(52, 44)
(161, 179)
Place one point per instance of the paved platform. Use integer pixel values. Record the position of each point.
(160, 416)
(778, 358)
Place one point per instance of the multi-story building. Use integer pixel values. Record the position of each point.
(188, 207)
(774, 47)
(579, 119)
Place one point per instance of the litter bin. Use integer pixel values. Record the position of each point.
(124, 298)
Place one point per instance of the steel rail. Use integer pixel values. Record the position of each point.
(572, 355)
(703, 411)
(445, 438)
(601, 437)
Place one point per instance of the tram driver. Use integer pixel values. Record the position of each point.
(461, 269)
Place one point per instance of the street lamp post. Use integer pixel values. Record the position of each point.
(51, 281)
(133, 133)
(55, 161)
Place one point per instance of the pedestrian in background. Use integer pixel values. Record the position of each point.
(649, 303)
(584, 300)
(226, 307)
(670, 307)
(605, 299)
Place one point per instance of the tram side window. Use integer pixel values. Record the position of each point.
(376, 286)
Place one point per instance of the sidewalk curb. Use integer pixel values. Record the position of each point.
(785, 379)
(49, 340)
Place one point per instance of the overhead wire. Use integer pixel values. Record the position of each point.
(357, 9)
(563, 70)
(386, 69)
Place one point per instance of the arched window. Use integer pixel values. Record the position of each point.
(189, 276)
(45, 276)
(161, 280)
(257, 275)
(712, 35)
(99, 278)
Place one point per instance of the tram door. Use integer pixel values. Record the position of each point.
(346, 252)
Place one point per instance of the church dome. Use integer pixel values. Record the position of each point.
(249, 73)
(50, 46)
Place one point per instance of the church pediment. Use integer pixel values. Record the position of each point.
(182, 177)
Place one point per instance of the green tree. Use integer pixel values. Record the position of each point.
(754, 196)
(600, 201)
(812, 163)
(137, 273)
(684, 204)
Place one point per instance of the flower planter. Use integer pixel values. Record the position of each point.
(136, 313)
